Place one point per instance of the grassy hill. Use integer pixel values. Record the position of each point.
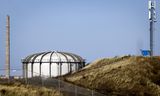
(123, 76)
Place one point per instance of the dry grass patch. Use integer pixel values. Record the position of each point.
(124, 76)
(18, 89)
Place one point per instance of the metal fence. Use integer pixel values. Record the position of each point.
(66, 88)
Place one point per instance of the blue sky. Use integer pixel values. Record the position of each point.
(90, 28)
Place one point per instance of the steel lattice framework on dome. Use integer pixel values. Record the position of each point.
(51, 64)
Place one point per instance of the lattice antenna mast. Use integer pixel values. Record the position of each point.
(152, 20)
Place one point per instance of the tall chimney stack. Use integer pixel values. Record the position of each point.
(8, 46)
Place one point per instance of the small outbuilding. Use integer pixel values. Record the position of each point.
(51, 64)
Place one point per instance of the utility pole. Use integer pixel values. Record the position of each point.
(152, 20)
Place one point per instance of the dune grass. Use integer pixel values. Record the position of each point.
(124, 76)
(18, 89)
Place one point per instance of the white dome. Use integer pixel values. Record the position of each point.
(53, 57)
(51, 64)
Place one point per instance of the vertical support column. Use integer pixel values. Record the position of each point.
(68, 67)
(59, 82)
(40, 69)
(60, 69)
(26, 71)
(31, 69)
(8, 47)
(78, 65)
(50, 70)
(75, 66)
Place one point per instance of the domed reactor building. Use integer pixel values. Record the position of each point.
(51, 64)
